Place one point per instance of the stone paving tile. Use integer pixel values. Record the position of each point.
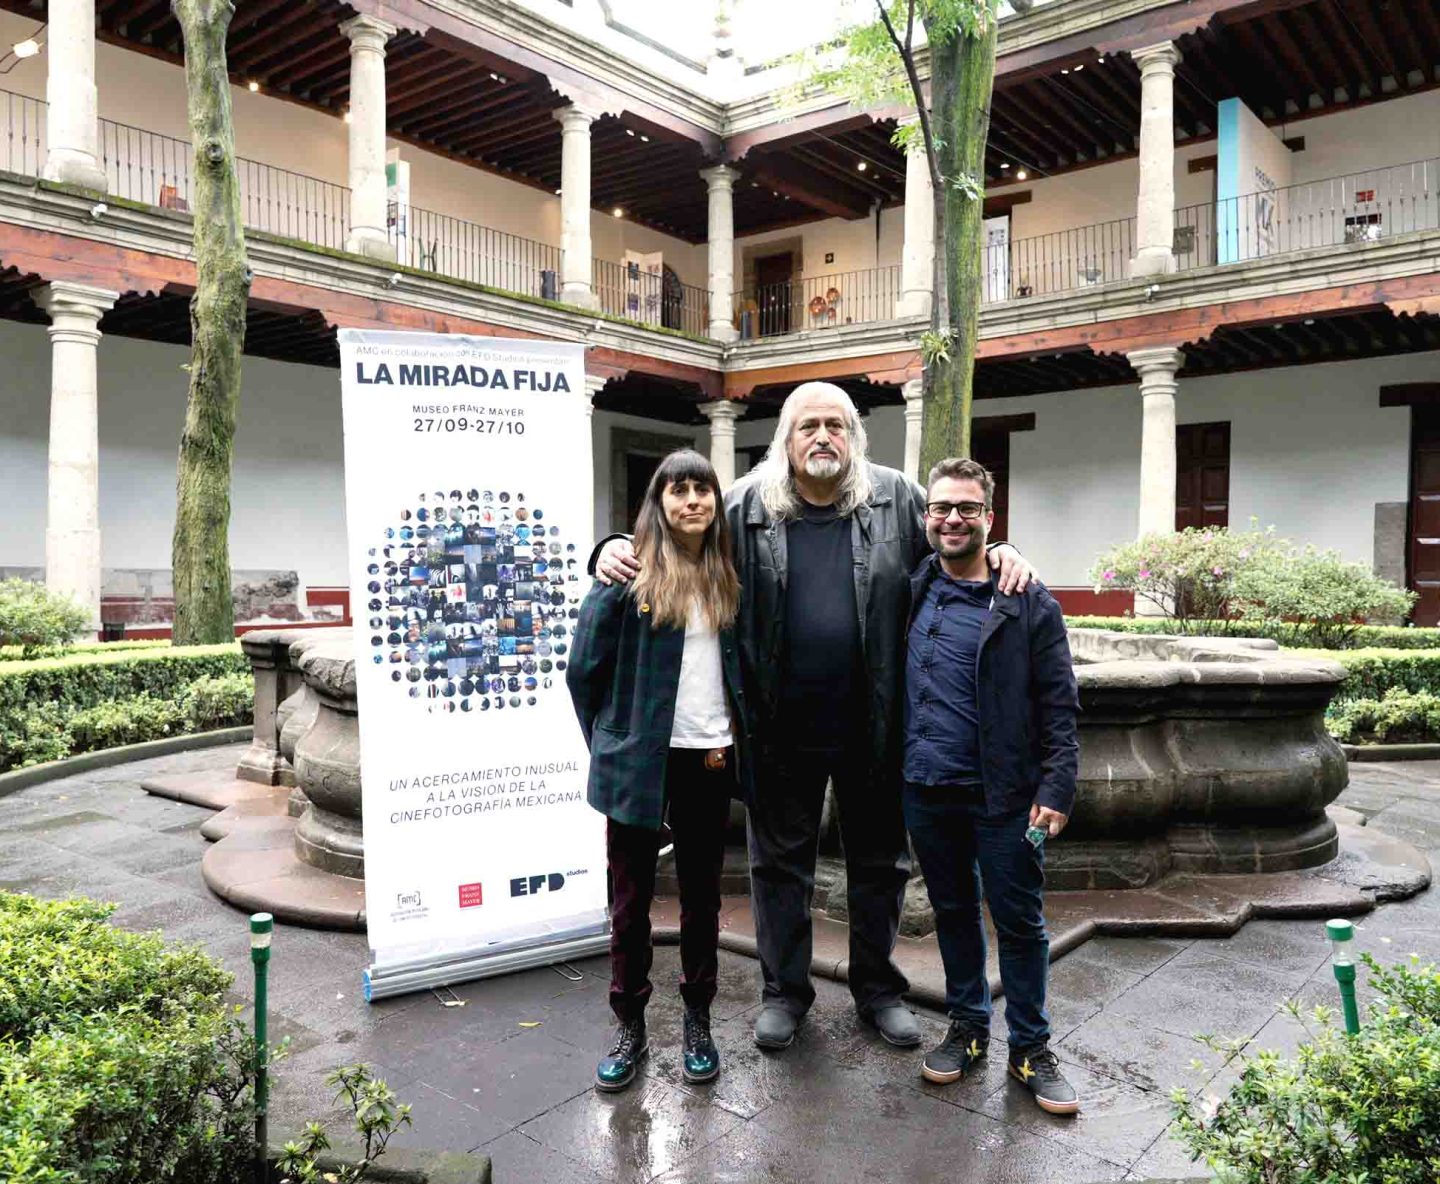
(1181, 997)
(516, 1157)
(1167, 1159)
(1079, 989)
(1117, 1121)
(1139, 955)
(633, 1136)
(1137, 1053)
(1287, 949)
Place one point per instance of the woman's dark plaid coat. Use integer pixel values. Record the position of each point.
(623, 676)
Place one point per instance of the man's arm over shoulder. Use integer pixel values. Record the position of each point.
(594, 651)
(1057, 701)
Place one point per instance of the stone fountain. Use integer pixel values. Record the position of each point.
(1201, 760)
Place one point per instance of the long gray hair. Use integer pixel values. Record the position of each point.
(777, 482)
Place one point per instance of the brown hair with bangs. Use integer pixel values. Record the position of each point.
(669, 579)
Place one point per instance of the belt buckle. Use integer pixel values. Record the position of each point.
(715, 758)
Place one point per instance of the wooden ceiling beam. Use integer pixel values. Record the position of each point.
(320, 43)
(442, 98)
(1379, 41)
(118, 15)
(1339, 33)
(1277, 37)
(1056, 110)
(146, 25)
(426, 74)
(445, 122)
(1081, 97)
(253, 13)
(814, 189)
(282, 32)
(1308, 39)
(525, 130)
(296, 65)
(850, 176)
(323, 77)
(1261, 73)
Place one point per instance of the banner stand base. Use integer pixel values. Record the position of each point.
(382, 983)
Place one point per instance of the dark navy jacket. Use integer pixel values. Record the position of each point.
(623, 676)
(1027, 699)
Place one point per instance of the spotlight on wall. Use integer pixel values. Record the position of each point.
(346, 115)
(25, 49)
(254, 86)
(99, 210)
(393, 281)
(618, 211)
(1021, 174)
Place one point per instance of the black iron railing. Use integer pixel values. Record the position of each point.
(468, 251)
(651, 298)
(818, 302)
(1080, 257)
(22, 148)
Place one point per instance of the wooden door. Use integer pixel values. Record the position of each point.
(1202, 475)
(992, 449)
(773, 274)
(1423, 558)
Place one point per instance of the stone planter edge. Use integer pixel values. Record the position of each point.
(403, 1165)
(105, 758)
(1391, 752)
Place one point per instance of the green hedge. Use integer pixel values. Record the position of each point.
(120, 1061)
(15, 653)
(1393, 637)
(89, 678)
(1401, 717)
(1371, 673)
(53, 731)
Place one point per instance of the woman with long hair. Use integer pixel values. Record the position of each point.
(655, 677)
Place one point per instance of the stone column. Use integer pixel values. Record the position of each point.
(722, 415)
(594, 384)
(72, 520)
(1155, 209)
(721, 182)
(72, 129)
(268, 651)
(917, 266)
(1157, 368)
(576, 283)
(368, 232)
(914, 421)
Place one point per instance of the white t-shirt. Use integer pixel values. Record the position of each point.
(702, 717)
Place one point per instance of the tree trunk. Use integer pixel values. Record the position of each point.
(962, 74)
(200, 552)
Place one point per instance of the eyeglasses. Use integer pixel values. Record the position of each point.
(969, 511)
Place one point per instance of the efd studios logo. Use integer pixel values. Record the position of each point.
(545, 882)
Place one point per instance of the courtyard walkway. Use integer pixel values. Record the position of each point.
(509, 1073)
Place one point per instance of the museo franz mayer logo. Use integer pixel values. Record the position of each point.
(471, 896)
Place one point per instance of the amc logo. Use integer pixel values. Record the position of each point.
(534, 885)
(407, 900)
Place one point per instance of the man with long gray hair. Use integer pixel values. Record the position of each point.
(825, 541)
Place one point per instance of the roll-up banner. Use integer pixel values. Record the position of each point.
(469, 511)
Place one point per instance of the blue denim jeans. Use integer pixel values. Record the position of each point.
(958, 848)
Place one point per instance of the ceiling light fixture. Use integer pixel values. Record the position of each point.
(1080, 67)
(346, 116)
(628, 132)
(1021, 174)
(644, 139)
(1004, 164)
(25, 49)
(254, 86)
(619, 211)
(862, 166)
(1064, 70)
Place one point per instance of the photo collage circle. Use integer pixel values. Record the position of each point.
(472, 601)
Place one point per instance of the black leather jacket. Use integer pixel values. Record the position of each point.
(888, 539)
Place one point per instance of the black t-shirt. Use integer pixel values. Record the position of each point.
(823, 688)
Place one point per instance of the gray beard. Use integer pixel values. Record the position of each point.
(822, 468)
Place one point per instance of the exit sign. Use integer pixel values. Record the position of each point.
(1364, 195)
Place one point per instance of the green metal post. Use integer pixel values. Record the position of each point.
(261, 928)
(1341, 934)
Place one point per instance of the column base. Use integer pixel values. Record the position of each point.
(580, 297)
(913, 304)
(724, 331)
(1152, 261)
(371, 245)
(70, 570)
(76, 170)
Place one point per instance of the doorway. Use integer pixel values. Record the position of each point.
(773, 294)
(1202, 475)
(1423, 549)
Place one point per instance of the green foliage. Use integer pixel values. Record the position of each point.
(1204, 579)
(15, 653)
(120, 1061)
(1362, 1109)
(1316, 598)
(378, 1114)
(935, 345)
(1399, 718)
(1371, 674)
(69, 723)
(1187, 575)
(1365, 637)
(91, 677)
(971, 187)
(32, 617)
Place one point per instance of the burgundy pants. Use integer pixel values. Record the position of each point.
(698, 802)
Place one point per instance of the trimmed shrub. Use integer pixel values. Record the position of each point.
(126, 721)
(34, 736)
(1370, 674)
(1348, 1108)
(120, 1061)
(31, 616)
(1399, 718)
(89, 678)
(223, 702)
(1398, 637)
(15, 653)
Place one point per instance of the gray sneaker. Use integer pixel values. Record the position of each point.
(896, 1023)
(775, 1027)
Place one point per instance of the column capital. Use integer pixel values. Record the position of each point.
(722, 413)
(1156, 362)
(720, 177)
(75, 302)
(576, 118)
(594, 384)
(1161, 58)
(367, 32)
(914, 392)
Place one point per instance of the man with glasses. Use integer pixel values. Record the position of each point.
(825, 541)
(990, 763)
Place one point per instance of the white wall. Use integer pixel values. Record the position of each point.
(1311, 453)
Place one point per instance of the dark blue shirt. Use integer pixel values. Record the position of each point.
(942, 717)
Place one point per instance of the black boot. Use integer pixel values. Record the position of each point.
(701, 1059)
(618, 1069)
